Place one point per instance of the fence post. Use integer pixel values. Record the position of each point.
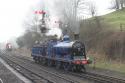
(94, 63)
(121, 27)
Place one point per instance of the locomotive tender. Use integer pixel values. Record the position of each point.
(65, 54)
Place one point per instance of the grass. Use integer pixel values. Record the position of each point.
(115, 18)
(115, 66)
(103, 63)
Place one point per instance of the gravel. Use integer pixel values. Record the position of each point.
(107, 72)
(7, 76)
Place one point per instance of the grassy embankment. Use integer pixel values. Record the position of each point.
(113, 20)
(103, 63)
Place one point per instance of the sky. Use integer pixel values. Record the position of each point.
(13, 13)
(103, 6)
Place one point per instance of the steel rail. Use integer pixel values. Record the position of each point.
(26, 72)
(49, 81)
(96, 77)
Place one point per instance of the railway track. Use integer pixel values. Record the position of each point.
(95, 77)
(34, 75)
(107, 79)
(35, 78)
(99, 78)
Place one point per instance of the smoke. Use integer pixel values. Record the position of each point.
(52, 9)
(65, 12)
(60, 12)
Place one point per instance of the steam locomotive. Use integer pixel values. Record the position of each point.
(8, 47)
(63, 54)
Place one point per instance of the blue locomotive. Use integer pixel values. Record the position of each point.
(64, 54)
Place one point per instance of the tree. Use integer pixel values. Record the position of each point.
(121, 4)
(20, 42)
(69, 13)
(31, 24)
(28, 39)
(92, 9)
(118, 4)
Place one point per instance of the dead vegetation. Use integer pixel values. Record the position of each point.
(102, 40)
(115, 45)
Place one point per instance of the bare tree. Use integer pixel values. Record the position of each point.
(31, 24)
(70, 19)
(118, 4)
(93, 12)
(28, 39)
(92, 9)
(122, 3)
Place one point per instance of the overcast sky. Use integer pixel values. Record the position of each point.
(13, 12)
